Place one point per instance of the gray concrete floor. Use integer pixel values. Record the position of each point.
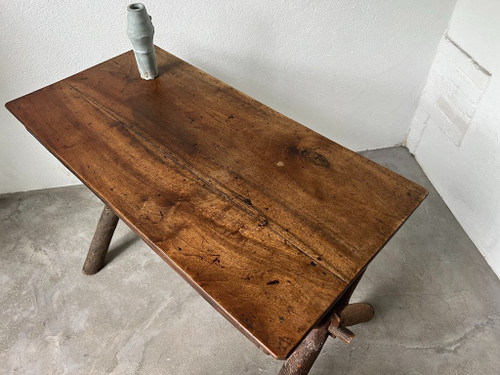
(437, 302)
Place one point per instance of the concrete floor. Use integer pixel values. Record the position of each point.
(437, 303)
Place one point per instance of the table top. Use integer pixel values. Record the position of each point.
(269, 221)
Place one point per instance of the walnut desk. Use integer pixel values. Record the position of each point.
(272, 223)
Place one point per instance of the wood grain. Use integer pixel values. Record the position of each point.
(268, 220)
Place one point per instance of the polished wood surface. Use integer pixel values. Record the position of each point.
(267, 219)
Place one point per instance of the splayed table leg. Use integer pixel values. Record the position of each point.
(100, 241)
(343, 315)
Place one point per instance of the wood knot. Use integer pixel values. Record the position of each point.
(314, 157)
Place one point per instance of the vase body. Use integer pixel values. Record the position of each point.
(140, 31)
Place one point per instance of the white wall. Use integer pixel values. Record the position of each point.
(466, 170)
(352, 70)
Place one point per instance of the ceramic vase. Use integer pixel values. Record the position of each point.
(140, 31)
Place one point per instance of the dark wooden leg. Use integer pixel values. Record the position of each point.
(344, 314)
(100, 241)
(302, 359)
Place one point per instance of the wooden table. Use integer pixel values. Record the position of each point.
(270, 222)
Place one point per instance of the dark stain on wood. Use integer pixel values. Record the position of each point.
(315, 157)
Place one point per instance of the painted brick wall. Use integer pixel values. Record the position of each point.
(455, 133)
(454, 88)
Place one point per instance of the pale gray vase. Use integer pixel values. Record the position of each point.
(140, 31)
